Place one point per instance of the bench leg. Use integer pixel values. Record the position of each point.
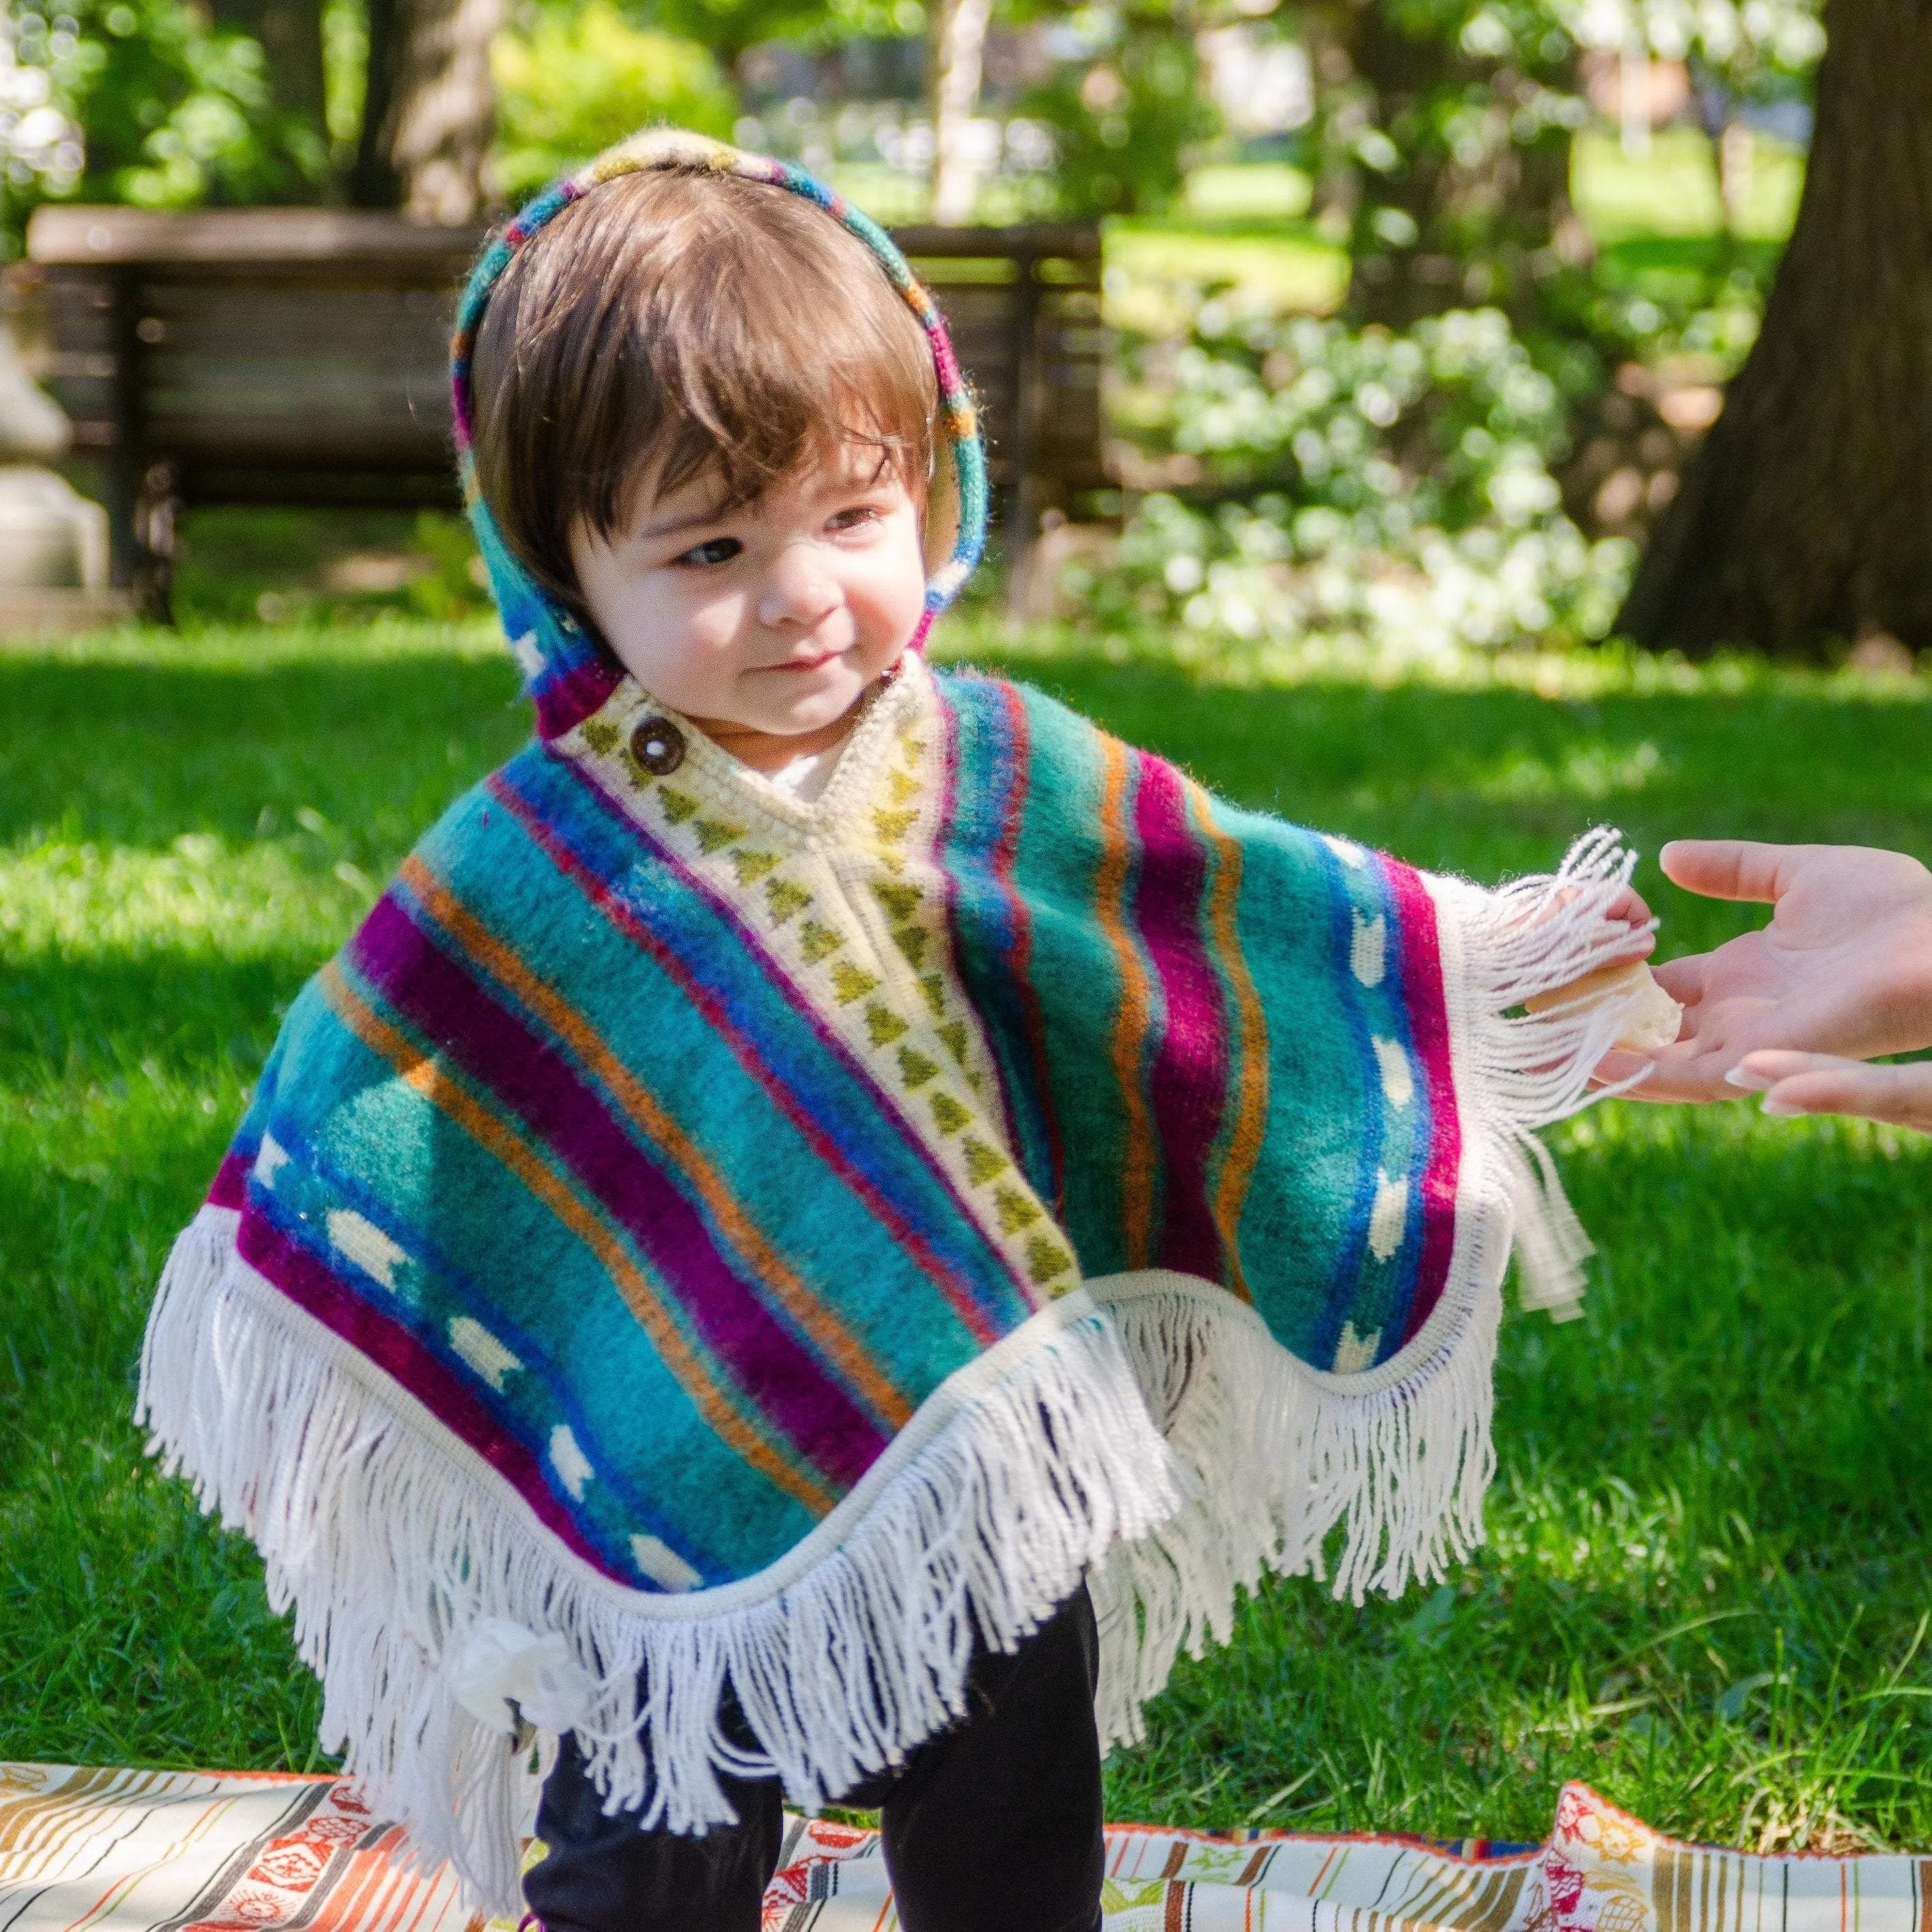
(156, 512)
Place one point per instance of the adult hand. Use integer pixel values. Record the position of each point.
(1819, 1083)
(1844, 968)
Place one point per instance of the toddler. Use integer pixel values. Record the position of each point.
(832, 1215)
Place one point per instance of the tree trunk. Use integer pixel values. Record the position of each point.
(958, 47)
(1804, 514)
(430, 111)
(290, 34)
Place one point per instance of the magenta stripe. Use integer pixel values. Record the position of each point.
(1188, 1086)
(230, 1189)
(565, 702)
(785, 1385)
(1019, 955)
(300, 1276)
(1429, 1037)
(961, 1295)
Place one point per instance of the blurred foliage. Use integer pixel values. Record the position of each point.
(1757, 49)
(573, 80)
(171, 111)
(345, 61)
(1396, 487)
(1125, 124)
(1444, 130)
(39, 146)
(728, 27)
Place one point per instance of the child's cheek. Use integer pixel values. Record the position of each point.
(714, 626)
(891, 591)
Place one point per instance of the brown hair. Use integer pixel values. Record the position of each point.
(681, 321)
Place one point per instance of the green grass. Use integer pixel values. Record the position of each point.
(1707, 1565)
(1248, 191)
(1655, 218)
(1287, 262)
(1672, 190)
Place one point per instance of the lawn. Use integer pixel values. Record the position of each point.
(1655, 218)
(1708, 1575)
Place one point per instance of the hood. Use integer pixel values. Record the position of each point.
(568, 673)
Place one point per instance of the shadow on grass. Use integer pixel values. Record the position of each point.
(153, 1014)
(1683, 268)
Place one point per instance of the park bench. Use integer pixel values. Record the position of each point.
(298, 356)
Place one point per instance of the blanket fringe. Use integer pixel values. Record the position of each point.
(390, 1550)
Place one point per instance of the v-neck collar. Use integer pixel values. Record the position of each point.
(708, 771)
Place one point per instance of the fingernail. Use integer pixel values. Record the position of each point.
(1752, 1083)
(1782, 1109)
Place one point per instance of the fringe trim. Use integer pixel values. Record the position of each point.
(391, 1542)
(1277, 1455)
(1518, 1071)
(390, 1549)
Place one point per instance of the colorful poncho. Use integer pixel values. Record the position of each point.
(690, 1237)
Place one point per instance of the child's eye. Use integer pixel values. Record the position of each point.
(854, 518)
(719, 550)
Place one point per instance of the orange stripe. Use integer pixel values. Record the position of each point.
(819, 1322)
(433, 1081)
(1244, 1143)
(395, 1897)
(1130, 1027)
(364, 1895)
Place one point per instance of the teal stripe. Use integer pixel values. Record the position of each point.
(393, 1147)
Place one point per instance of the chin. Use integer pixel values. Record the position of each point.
(810, 710)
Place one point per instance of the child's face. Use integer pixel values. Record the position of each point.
(775, 616)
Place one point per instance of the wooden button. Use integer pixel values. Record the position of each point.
(657, 745)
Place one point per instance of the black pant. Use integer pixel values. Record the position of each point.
(993, 1825)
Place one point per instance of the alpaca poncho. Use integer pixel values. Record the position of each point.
(689, 1237)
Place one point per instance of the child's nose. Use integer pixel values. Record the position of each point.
(800, 590)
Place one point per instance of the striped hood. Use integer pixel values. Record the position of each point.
(567, 673)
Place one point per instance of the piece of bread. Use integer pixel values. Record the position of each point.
(1652, 1018)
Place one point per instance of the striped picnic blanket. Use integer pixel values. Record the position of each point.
(140, 1851)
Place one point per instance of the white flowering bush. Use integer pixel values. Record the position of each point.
(1396, 488)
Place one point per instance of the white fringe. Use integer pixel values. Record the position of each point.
(392, 1541)
(1278, 1455)
(1517, 1071)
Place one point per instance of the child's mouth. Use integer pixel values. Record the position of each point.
(804, 664)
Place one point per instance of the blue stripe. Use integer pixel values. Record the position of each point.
(620, 1508)
(1404, 1270)
(718, 953)
(1327, 1335)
